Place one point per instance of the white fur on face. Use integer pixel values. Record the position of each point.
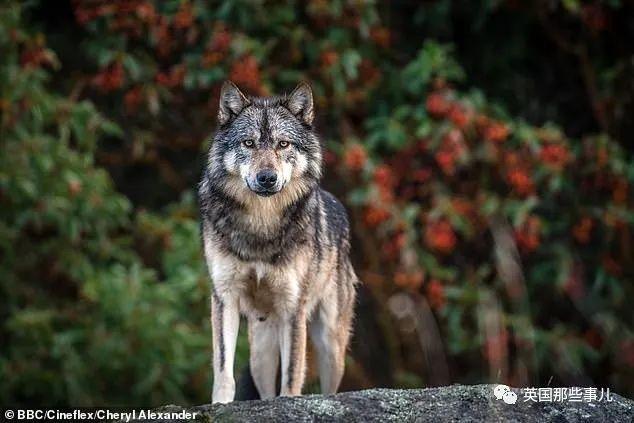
(286, 174)
(301, 165)
(230, 162)
(245, 173)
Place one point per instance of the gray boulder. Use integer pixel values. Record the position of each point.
(456, 403)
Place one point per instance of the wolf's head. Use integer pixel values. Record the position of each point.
(265, 146)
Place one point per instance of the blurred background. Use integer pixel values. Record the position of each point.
(483, 149)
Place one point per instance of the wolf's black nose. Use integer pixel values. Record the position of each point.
(266, 178)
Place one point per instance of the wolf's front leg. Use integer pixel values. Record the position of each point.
(264, 358)
(292, 332)
(225, 321)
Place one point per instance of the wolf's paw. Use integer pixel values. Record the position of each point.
(223, 393)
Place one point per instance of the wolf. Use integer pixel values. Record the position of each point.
(276, 245)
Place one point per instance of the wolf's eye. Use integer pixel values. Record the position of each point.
(283, 144)
(248, 143)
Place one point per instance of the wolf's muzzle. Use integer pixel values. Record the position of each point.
(265, 183)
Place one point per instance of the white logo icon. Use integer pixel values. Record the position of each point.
(510, 397)
(503, 392)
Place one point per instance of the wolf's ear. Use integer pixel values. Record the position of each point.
(300, 103)
(232, 101)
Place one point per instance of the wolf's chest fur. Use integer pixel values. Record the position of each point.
(255, 235)
(264, 290)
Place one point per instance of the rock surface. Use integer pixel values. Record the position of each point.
(444, 404)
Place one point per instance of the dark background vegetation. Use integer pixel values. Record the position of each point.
(483, 149)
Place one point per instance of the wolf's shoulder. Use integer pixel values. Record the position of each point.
(335, 212)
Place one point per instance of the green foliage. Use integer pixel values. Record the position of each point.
(85, 320)
(498, 221)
